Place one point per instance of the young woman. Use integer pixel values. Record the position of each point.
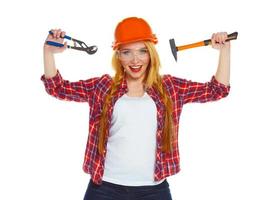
(132, 144)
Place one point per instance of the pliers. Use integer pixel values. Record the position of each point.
(83, 47)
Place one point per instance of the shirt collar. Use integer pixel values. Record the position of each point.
(124, 89)
(123, 86)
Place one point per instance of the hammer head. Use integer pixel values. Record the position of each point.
(173, 48)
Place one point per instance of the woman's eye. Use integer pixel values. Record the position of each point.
(143, 51)
(125, 52)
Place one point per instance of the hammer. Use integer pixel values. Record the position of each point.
(174, 48)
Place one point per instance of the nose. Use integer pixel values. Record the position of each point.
(135, 58)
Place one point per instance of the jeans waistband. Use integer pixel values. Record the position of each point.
(117, 186)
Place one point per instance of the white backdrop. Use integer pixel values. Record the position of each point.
(226, 146)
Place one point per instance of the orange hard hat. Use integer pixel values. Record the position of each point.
(133, 29)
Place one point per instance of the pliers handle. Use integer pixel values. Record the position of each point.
(83, 47)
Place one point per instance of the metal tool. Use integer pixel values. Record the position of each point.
(174, 48)
(82, 46)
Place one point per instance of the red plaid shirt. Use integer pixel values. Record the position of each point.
(94, 90)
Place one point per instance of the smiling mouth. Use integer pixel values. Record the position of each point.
(135, 68)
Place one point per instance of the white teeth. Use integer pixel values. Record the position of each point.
(135, 67)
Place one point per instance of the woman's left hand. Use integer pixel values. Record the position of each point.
(218, 40)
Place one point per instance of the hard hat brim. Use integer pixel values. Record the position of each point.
(117, 44)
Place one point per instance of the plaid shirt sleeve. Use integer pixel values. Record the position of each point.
(69, 91)
(191, 91)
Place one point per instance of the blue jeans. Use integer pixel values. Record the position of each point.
(110, 191)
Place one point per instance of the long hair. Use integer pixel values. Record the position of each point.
(152, 79)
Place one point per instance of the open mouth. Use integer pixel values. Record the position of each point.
(136, 68)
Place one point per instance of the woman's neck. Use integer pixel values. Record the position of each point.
(135, 88)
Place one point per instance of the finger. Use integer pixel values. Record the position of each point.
(223, 37)
(62, 34)
(214, 41)
(64, 47)
(218, 37)
(212, 36)
(59, 33)
(49, 36)
(52, 35)
(55, 33)
(215, 37)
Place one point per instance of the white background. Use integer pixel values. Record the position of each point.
(226, 146)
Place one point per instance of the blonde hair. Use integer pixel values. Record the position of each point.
(152, 79)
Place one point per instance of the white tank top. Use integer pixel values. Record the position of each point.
(131, 147)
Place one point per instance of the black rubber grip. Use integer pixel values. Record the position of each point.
(232, 36)
(207, 42)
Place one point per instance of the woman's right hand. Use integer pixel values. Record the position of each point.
(57, 36)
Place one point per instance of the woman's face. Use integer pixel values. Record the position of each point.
(135, 58)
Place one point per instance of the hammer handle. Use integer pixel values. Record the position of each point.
(232, 36)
